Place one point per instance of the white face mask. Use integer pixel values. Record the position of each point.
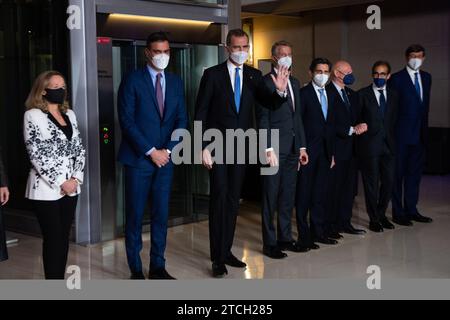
(415, 63)
(239, 57)
(161, 61)
(285, 62)
(321, 79)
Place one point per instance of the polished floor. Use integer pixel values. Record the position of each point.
(422, 251)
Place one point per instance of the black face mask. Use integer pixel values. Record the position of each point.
(55, 95)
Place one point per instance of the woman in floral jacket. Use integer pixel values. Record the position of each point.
(57, 161)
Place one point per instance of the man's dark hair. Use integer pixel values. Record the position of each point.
(278, 44)
(415, 48)
(159, 36)
(381, 63)
(236, 33)
(318, 61)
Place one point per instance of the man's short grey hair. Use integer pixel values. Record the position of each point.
(278, 44)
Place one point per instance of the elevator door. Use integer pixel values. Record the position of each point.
(190, 182)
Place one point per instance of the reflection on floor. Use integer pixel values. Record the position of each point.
(422, 251)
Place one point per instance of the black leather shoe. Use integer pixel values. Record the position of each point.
(232, 261)
(219, 270)
(387, 224)
(327, 241)
(137, 276)
(376, 227)
(160, 274)
(403, 222)
(314, 246)
(292, 246)
(420, 218)
(335, 236)
(352, 230)
(274, 253)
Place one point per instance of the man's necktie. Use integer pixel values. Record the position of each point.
(237, 89)
(345, 97)
(383, 104)
(324, 103)
(159, 94)
(417, 84)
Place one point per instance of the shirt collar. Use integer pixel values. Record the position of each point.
(232, 67)
(378, 89)
(316, 87)
(154, 73)
(412, 71)
(339, 89)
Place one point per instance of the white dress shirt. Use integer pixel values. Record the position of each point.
(232, 72)
(317, 90)
(412, 74)
(376, 90)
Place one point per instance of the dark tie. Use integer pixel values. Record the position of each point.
(346, 101)
(159, 94)
(417, 84)
(290, 100)
(383, 104)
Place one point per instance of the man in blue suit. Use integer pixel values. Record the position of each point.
(151, 107)
(414, 87)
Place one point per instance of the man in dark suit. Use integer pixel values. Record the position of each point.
(151, 107)
(278, 189)
(343, 185)
(311, 194)
(414, 88)
(4, 198)
(376, 148)
(227, 98)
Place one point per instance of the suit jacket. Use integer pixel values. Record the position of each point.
(3, 177)
(381, 130)
(344, 119)
(288, 122)
(319, 132)
(412, 123)
(54, 159)
(216, 107)
(140, 119)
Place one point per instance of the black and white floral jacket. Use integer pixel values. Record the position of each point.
(54, 158)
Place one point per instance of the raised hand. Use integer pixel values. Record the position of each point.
(281, 80)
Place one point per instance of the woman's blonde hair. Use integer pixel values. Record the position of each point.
(36, 100)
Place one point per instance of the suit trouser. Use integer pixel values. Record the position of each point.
(226, 185)
(3, 249)
(139, 183)
(279, 195)
(311, 197)
(342, 192)
(409, 166)
(378, 180)
(55, 219)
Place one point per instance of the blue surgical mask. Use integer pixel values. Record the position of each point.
(379, 82)
(349, 79)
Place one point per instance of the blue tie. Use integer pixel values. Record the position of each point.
(237, 89)
(417, 85)
(324, 103)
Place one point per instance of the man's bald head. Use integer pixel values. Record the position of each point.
(340, 70)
